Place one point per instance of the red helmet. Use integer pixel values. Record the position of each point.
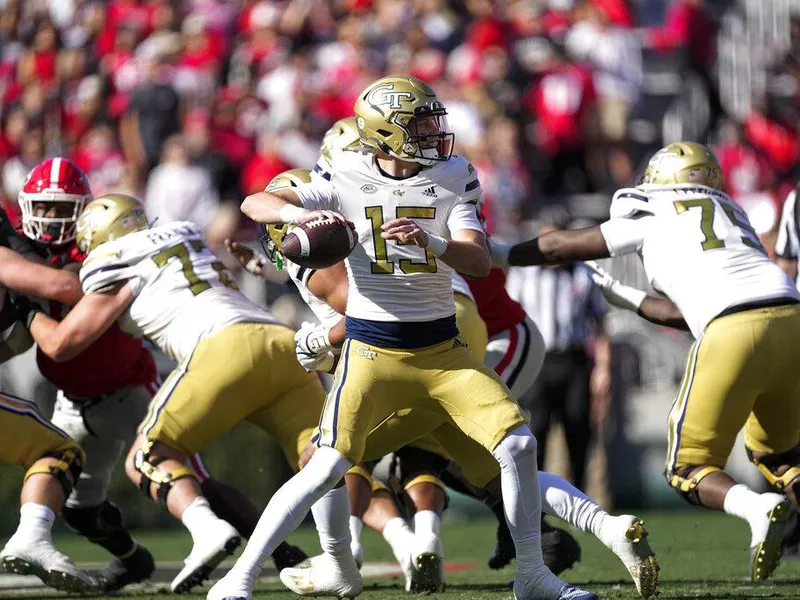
(55, 180)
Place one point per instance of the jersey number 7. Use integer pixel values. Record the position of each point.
(708, 211)
(382, 265)
(196, 285)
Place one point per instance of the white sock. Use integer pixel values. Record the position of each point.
(331, 514)
(427, 522)
(286, 510)
(35, 521)
(563, 500)
(356, 526)
(197, 516)
(746, 504)
(399, 536)
(516, 454)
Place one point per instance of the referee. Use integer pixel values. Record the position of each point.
(573, 387)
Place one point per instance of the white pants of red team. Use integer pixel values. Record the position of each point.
(516, 354)
(105, 430)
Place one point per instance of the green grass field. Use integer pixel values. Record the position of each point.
(702, 555)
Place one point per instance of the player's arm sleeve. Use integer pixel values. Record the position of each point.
(787, 245)
(464, 215)
(318, 194)
(625, 235)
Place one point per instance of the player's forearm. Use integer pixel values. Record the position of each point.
(560, 247)
(789, 266)
(336, 335)
(266, 207)
(40, 281)
(467, 257)
(55, 342)
(662, 312)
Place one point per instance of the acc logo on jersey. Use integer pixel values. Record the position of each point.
(383, 94)
(368, 188)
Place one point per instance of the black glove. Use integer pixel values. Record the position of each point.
(25, 307)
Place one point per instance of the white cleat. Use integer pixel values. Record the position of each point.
(426, 565)
(765, 552)
(327, 576)
(626, 537)
(546, 586)
(42, 559)
(220, 542)
(228, 589)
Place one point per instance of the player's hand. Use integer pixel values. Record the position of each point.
(313, 348)
(616, 292)
(404, 231)
(247, 257)
(25, 307)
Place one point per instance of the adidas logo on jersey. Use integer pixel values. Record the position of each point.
(430, 192)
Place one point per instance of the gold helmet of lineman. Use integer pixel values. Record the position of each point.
(272, 235)
(684, 162)
(400, 115)
(343, 135)
(109, 218)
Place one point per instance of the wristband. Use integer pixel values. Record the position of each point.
(632, 296)
(292, 214)
(437, 245)
(499, 253)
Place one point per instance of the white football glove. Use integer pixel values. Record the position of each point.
(313, 348)
(616, 292)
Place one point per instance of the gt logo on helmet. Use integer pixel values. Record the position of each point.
(383, 94)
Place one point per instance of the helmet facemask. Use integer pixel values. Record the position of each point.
(428, 137)
(271, 238)
(51, 230)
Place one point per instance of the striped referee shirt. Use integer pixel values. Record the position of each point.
(563, 302)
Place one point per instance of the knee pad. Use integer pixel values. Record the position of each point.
(686, 486)
(70, 461)
(413, 462)
(147, 465)
(96, 522)
(790, 480)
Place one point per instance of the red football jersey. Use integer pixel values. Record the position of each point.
(497, 309)
(114, 361)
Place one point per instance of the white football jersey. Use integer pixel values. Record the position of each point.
(300, 276)
(698, 248)
(182, 292)
(388, 281)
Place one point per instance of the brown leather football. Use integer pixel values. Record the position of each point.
(319, 244)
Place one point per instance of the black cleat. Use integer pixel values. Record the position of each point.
(120, 572)
(791, 538)
(559, 549)
(286, 555)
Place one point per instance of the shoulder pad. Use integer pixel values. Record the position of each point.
(103, 268)
(629, 202)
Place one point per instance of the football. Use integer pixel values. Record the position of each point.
(319, 244)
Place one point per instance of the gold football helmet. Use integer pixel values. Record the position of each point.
(272, 235)
(109, 218)
(684, 162)
(401, 116)
(343, 135)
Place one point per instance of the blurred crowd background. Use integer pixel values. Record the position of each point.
(192, 104)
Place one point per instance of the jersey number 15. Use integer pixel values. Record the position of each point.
(382, 265)
(708, 211)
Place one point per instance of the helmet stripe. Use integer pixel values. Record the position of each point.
(55, 171)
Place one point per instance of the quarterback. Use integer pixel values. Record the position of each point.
(413, 206)
(700, 251)
(104, 391)
(235, 362)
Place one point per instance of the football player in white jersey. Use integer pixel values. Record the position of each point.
(235, 362)
(699, 249)
(413, 206)
(623, 535)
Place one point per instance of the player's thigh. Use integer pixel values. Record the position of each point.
(117, 416)
(774, 425)
(102, 456)
(719, 388)
(371, 383)
(516, 355)
(68, 416)
(208, 392)
(473, 396)
(476, 462)
(27, 435)
(471, 327)
(405, 426)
